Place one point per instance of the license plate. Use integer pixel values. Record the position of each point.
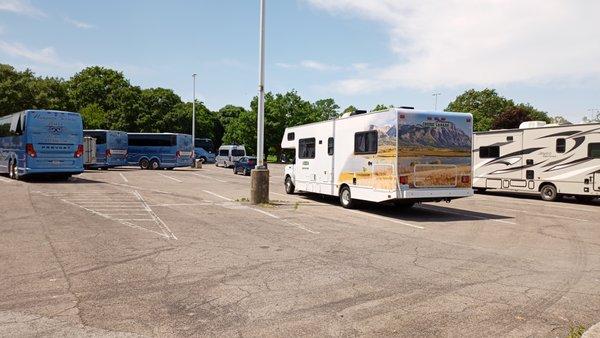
(56, 162)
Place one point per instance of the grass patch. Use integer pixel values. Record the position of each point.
(576, 331)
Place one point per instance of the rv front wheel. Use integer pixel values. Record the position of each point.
(289, 186)
(549, 193)
(346, 198)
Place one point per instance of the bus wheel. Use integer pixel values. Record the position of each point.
(346, 198)
(144, 164)
(549, 193)
(289, 186)
(13, 170)
(154, 165)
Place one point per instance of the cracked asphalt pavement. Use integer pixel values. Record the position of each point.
(175, 253)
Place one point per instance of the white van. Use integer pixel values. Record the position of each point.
(229, 154)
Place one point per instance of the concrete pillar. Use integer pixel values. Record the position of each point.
(259, 188)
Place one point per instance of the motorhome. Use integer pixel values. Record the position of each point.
(398, 155)
(536, 158)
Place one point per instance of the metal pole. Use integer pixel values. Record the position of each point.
(436, 99)
(261, 91)
(194, 115)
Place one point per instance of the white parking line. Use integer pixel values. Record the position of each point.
(124, 178)
(155, 216)
(545, 215)
(387, 219)
(467, 215)
(171, 178)
(217, 195)
(210, 177)
(540, 204)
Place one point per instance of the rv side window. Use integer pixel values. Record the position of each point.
(365, 142)
(489, 152)
(238, 152)
(223, 152)
(306, 148)
(291, 136)
(594, 150)
(560, 145)
(330, 146)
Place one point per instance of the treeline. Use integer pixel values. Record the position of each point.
(107, 100)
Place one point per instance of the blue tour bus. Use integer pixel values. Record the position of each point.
(111, 148)
(160, 150)
(204, 150)
(41, 142)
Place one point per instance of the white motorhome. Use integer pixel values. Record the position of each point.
(228, 154)
(550, 160)
(398, 155)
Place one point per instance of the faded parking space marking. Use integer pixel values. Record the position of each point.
(386, 219)
(465, 214)
(124, 178)
(133, 212)
(171, 178)
(209, 177)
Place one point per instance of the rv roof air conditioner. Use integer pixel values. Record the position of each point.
(532, 124)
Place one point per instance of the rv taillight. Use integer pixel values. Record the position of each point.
(178, 154)
(403, 179)
(79, 151)
(465, 179)
(30, 150)
(108, 153)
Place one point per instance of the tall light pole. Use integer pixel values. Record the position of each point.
(259, 189)
(194, 118)
(436, 98)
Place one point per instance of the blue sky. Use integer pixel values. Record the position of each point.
(357, 52)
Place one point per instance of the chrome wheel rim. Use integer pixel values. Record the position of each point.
(346, 197)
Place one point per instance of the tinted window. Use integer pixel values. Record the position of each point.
(365, 142)
(11, 125)
(306, 148)
(489, 152)
(100, 136)
(560, 145)
(594, 150)
(330, 146)
(152, 140)
(223, 152)
(238, 152)
(291, 136)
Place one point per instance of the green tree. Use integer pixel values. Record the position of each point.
(157, 103)
(380, 107)
(325, 109)
(349, 109)
(486, 105)
(594, 118)
(511, 118)
(94, 117)
(559, 120)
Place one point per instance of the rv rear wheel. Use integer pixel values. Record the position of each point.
(346, 198)
(289, 186)
(144, 164)
(549, 193)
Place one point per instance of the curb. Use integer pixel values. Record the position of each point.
(592, 332)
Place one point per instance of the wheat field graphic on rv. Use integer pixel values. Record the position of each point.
(432, 150)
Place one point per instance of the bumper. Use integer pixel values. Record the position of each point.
(435, 193)
(73, 171)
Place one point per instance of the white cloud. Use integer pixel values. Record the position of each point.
(309, 64)
(478, 42)
(78, 24)
(42, 59)
(315, 65)
(23, 7)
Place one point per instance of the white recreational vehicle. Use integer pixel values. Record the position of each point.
(398, 155)
(550, 160)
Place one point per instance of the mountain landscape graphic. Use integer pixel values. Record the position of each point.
(418, 135)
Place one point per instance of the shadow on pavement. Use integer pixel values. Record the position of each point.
(426, 212)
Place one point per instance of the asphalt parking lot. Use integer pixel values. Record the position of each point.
(130, 252)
